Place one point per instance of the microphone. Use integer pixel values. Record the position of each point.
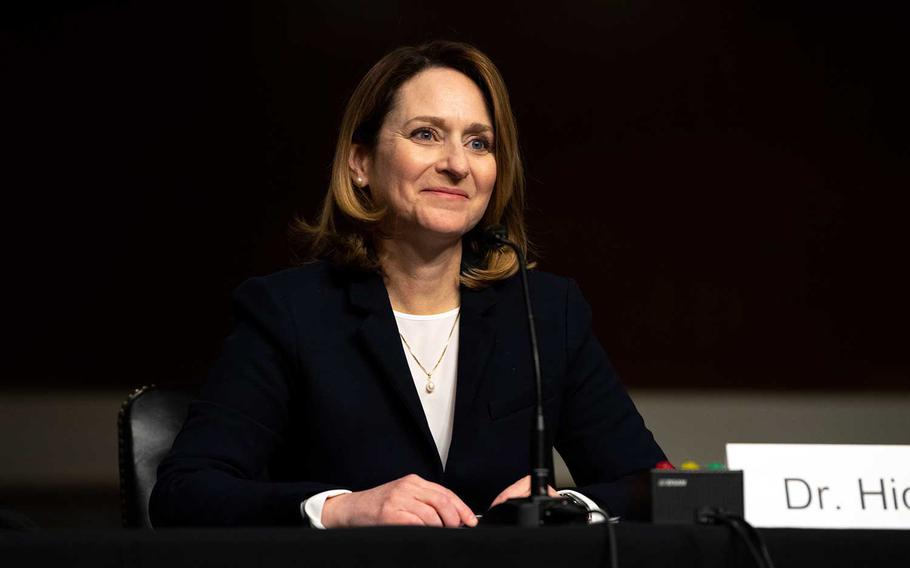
(538, 509)
(495, 237)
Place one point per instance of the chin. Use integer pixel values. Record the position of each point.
(446, 226)
(444, 233)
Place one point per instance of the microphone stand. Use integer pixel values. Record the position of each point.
(539, 509)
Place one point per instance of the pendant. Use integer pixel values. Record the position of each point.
(430, 386)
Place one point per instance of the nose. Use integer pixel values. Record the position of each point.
(454, 161)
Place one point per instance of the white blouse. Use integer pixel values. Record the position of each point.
(427, 336)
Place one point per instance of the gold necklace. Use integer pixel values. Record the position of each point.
(430, 385)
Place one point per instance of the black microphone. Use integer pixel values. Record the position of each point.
(538, 509)
(495, 237)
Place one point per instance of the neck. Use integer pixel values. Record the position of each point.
(421, 280)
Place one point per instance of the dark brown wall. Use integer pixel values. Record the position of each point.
(726, 180)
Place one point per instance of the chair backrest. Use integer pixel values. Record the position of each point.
(149, 420)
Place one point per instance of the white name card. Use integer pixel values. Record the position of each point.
(824, 485)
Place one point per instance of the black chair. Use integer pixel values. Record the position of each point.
(149, 420)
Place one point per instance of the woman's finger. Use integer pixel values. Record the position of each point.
(464, 513)
(404, 518)
(453, 511)
(426, 513)
(443, 504)
(521, 488)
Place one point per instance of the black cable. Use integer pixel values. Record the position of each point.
(745, 531)
(611, 539)
(744, 536)
(756, 538)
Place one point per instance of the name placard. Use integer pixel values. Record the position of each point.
(824, 485)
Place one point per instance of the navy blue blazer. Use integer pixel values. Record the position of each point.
(313, 392)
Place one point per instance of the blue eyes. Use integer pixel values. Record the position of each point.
(424, 134)
(479, 145)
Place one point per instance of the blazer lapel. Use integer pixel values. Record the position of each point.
(476, 340)
(379, 335)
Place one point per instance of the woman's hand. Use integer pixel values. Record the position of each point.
(410, 500)
(521, 488)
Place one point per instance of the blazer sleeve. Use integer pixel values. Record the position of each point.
(217, 470)
(601, 436)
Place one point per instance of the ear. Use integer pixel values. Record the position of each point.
(360, 161)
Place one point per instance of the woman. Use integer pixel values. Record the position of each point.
(390, 381)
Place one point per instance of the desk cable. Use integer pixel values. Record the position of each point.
(742, 529)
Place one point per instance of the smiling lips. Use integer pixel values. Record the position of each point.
(447, 192)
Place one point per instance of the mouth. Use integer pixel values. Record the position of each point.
(446, 192)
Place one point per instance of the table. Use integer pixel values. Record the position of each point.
(639, 545)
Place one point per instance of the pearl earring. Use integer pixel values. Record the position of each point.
(359, 181)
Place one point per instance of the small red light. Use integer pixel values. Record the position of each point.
(664, 465)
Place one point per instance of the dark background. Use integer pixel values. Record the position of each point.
(727, 180)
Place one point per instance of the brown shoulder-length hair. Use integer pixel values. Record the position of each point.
(348, 226)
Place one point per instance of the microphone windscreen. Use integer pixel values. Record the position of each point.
(494, 236)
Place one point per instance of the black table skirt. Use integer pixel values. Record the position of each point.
(639, 545)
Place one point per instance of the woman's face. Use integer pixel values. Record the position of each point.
(433, 164)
